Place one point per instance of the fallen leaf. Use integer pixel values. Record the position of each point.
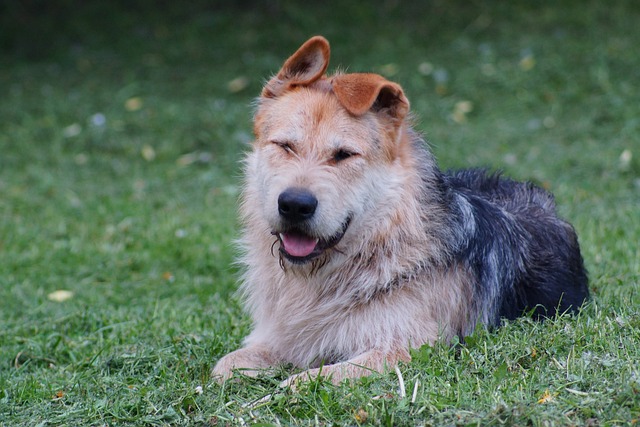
(148, 153)
(460, 111)
(60, 295)
(527, 62)
(361, 416)
(389, 70)
(238, 84)
(546, 397)
(72, 130)
(464, 106)
(442, 89)
(195, 157)
(625, 160)
(133, 104)
(549, 122)
(425, 68)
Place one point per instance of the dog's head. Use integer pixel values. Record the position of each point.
(320, 172)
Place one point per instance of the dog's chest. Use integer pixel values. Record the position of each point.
(309, 328)
(308, 334)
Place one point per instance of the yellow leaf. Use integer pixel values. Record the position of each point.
(441, 89)
(133, 104)
(464, 106)
(238, 84)
(148, 153)
(527, 63)
(546, 397)
(60, 295)
(460, 111)
(389, 70)
(361, 416)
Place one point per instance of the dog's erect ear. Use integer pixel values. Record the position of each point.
(304, 67)
(359, 93)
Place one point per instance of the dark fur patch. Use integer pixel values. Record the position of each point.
(524, 258)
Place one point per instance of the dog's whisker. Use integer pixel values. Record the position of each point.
(273, 245)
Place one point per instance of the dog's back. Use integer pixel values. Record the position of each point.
(517, 238)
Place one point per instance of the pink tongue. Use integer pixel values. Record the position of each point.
(298, 245)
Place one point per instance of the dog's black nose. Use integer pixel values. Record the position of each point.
(297, 204)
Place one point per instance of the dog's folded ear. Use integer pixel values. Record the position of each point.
(304, 67)
(362, 92)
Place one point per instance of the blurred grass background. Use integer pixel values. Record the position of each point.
(121, 129)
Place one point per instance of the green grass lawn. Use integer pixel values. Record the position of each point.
(121, 132)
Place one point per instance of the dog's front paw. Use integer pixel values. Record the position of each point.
(250, 361)
(223, 369)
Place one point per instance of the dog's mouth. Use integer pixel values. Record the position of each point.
(299, 247)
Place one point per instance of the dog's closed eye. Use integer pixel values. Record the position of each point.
(342, 154)
(286, 146)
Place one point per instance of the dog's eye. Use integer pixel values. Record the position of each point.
(342, 154)
(284, 145)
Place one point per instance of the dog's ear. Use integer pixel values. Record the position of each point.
(304, 67)
(359, 93)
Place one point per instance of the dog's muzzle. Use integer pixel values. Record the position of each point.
(296, 206)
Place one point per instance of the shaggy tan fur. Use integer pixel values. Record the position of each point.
(359, 306)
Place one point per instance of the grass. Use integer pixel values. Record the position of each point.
(120, 137)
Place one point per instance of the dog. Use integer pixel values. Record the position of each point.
(356, 247)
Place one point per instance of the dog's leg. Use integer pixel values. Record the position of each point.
(251, 361)
(359, 366)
